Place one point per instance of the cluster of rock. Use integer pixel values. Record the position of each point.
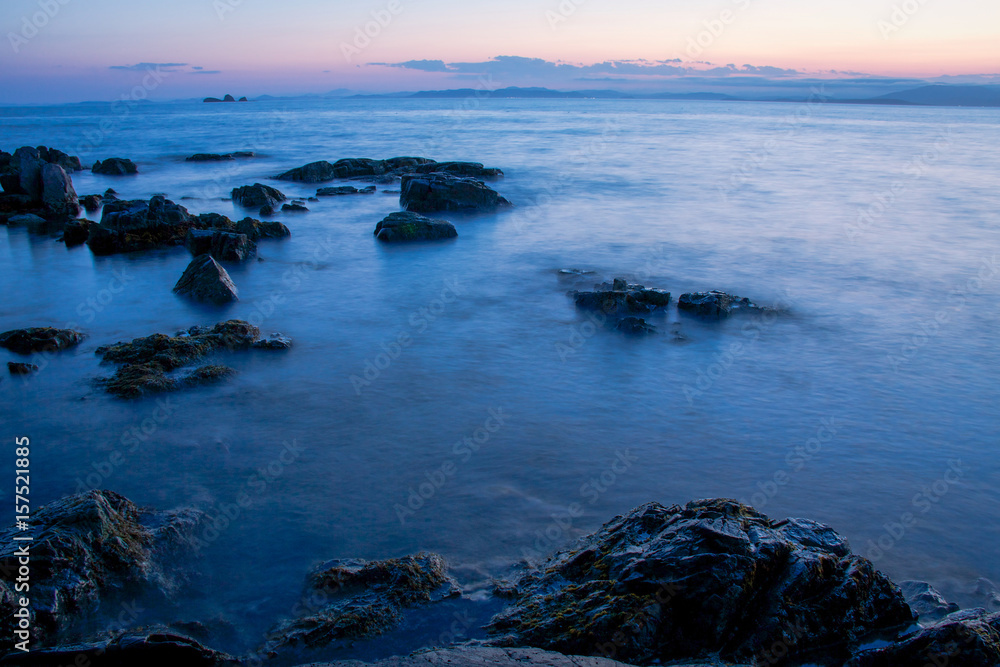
(345, 190)
(37, 182)
(623, 302)
(40, 339)
(385, 171)
(716, 304)
(405, 226)
(427, 193)
(147, 362)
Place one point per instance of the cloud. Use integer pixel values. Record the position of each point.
(172, 68)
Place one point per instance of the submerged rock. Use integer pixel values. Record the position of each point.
(211, 157)
(441, 192)
(715, 304)
(115, 166)
(31, 221)
(222, 245)
(367, 599)
(622, 298)
(635, 326)
(466, 169)
(158, 649)
(258, 195)
(711, 578)
(15, 368)
(966, 639)
(407, 226)
(40, 339)
(276, 341)
(205, 280)
(294, 208)
(88, 550)
(345, 190)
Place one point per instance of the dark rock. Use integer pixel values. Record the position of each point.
(76, 232)
(228, 98)
(110, 194)
(128, 226)
(635, 326)
(244, 99)
(89, 549)
(91, 203)
(257, 229)
(159, 649)
(16, 368)
(314, 172)
(210, 157)
(28, 165)
(926, 602)
(487, 656)
(405, 226)
(711, 578)
(40, 339)
(294, 208)
(244, 154)
(257, 195)
(210, 374)
(440, 192)
(53, 156)
(212, 99)
(366, 599)
(28, 220)
(58, 194)
(467, 169)
(11, 183)
(715, 304)
(275, 341)
(223, 246)
(205, 280)
(266, 210)
(966, 639)
(344, 190)
(115, 166)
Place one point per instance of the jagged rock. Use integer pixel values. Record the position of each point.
(441, 192)
(40, 339)
(715, 304)
(926, 602)
(205, 280)
(314, 172)
(258, 195)
(964, 639)
(147, 361)
(345, 190)
(159, 649)
(91, 203)
(132, 225)
(222, 245)
(466, 169)
(405, 226)
(275, 341)
(75, 232)
(28, 165)
(58, 194)
(15, 368)
(87, 550)
(54, 156)
(486, 656)
(367, 599)
(635, 326)
(711, 578)
(622, 298)
(294, 208)
(115, 166)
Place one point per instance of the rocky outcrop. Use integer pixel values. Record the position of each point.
(400, 227)
(465, 169)
(58, 194)
(383, 170)
(54, 156)
(88, 549)
(40, 339)
(635, 326)
(345, 190)
(36, 181)
(622, 299)
(926, 602)
(966, 639)
(367, 599)
(716, 304)
(205, 280)
(115, 166)
(159, 649)
(441, 192)
(130, 225)
(294, 208)
(16, 368)
(147, 361)
(76, 232)
(223, 246)
(486, 656)
(257, 196)
(710, 578)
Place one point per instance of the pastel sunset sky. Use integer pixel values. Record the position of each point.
(74, 50)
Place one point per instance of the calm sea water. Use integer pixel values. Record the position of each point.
(882, 374)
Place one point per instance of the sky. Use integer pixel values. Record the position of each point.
(56, 51)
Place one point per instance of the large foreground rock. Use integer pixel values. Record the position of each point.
(40, 339)
(711, 578)
(366, 599)
(127, 650)
(89, 550)
(441, 192)
(258, 195)
(405, 226)
(964, 639)
(130, 225)
(40, 176)
(115, 166)
(58, 194)
(206, 280)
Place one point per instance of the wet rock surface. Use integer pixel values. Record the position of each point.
(222, 245)
(967, 639)
(115, 166)
(16, 368)
(386, 171)
(161, 649)
(257, 196)
(442, 192)
(131, 225)
(622, 299)
(710, 578)
(40, 339)
(716, 304)
(207, 281)
(345, 190)
(926, 602)
(406, 226)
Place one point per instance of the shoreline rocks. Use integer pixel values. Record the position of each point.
(624, 300)
(405, 226)
(258, 195)
(115, 166)
(715, 304)
(966, 638)
(441, 192)
(345, 190)
(207, 281)
(383, 170)
(40, 339)
(223, 246)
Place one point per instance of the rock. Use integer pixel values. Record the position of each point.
(266, 210)
(146, 361)
(110, 194)
(405, 226)
(967, 639)
(344, 190)
(91, 203)
(40, 339)
(275, 341)
(366, 599)
(223, 246)
(205, 280)
(210, 157)
(21, 369)
(88, 550)
(115, 166)
(58, 194)
(244, 154)
(130, 225)
(294, 208)
(635, 326)
(486, 656)
(257, 195)
(27, 220)
(244, 99)
(711, 578)
(621, 298)
(926, 602)
(314, 172)
(76, 232)
(212, 99)
(715, 304)
(159, 649)
(28, 165)
(467, 169)
(53, 156)
(257, 229)
(228, 98)
(440, 192)
(210, 374)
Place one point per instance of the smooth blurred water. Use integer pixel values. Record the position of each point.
(758, 199)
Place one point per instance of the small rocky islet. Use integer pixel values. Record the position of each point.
(711, 582)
